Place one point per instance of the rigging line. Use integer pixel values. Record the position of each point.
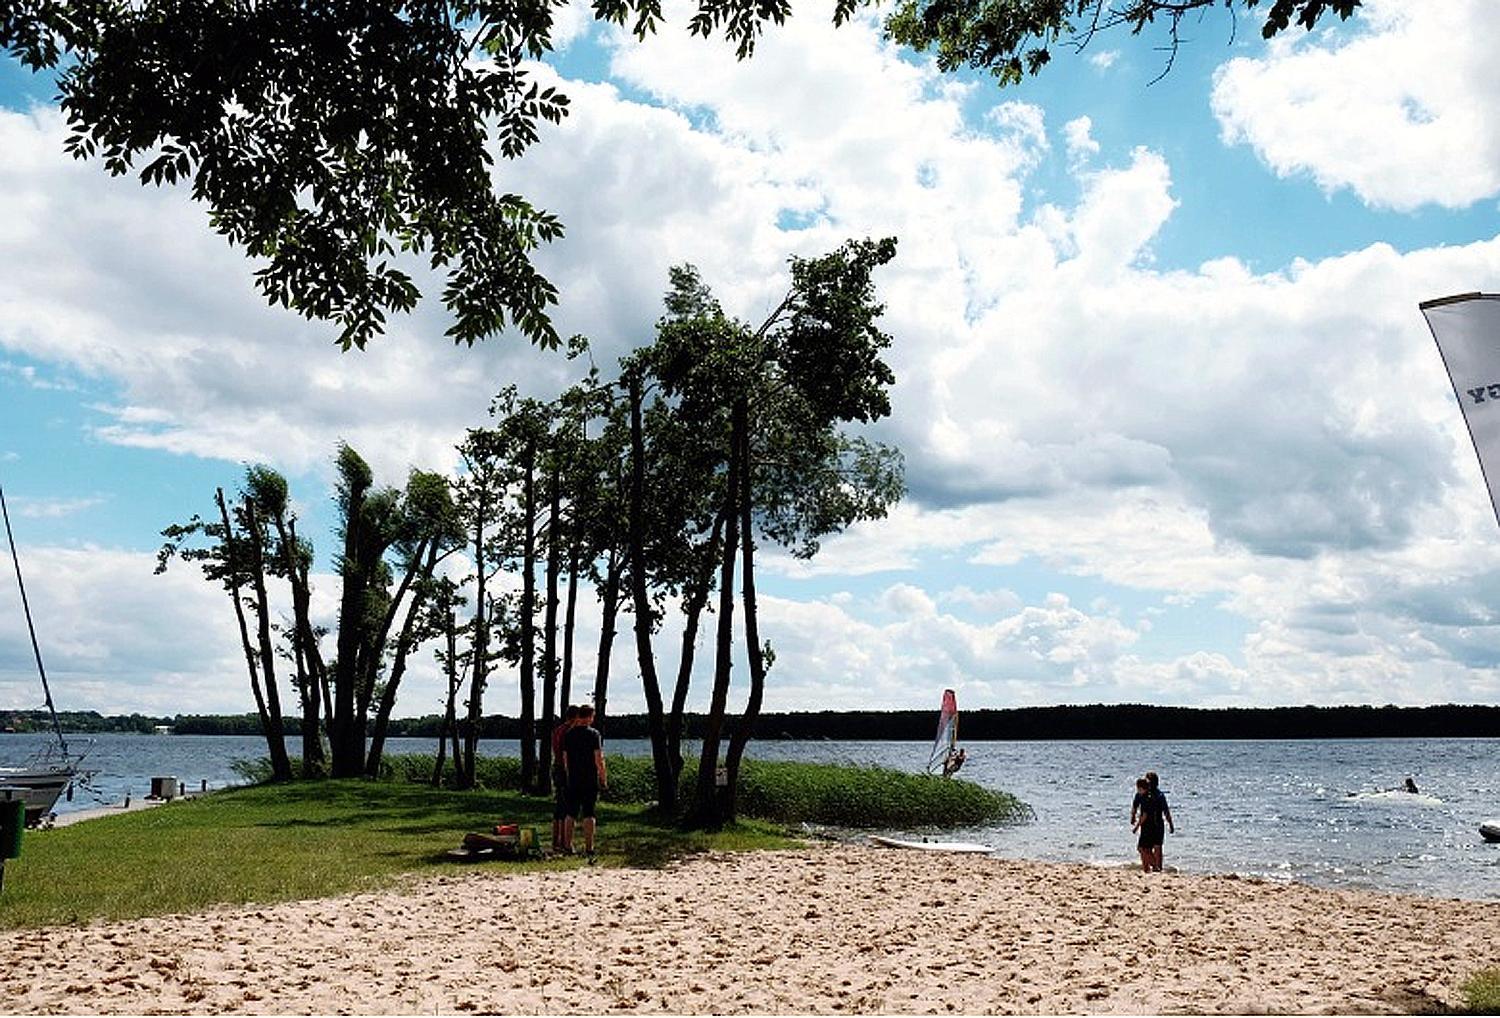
(26, 605)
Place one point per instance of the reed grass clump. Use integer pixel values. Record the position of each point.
(1482, 992)
(833, 795)
(840, 795)
(496, 772)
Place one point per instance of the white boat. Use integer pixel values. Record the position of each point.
(42, 784)
(43, 778)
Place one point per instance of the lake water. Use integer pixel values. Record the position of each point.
(1291, 810)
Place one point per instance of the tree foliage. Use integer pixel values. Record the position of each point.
(345, 145)
(743, 439)
(1013, 38)
(392, 544)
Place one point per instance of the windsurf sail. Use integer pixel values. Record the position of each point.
(1467, 330)
(946, 742)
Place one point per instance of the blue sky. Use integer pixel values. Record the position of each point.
(1175, 430)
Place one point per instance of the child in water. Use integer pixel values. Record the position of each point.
(1149, 815)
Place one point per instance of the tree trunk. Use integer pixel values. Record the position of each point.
(281, 766)
(320, 691)
(565, 688)
(345, 736)
(450, 718)
(232, 578)
(693, 610)
(310, 671)
(528, 620)
(549, 644)
(609, 612)
(753, 650)
(708, 765)
(398, 664)
(666, 775)
(479, 655)
(373, 659)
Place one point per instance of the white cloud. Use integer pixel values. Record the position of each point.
(115, 638)
(1104, 60)
(1402, 111)
(1080, 141)
(54, 508)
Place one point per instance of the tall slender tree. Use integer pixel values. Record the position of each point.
(481, 492)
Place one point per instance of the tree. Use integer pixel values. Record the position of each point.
(419, 524)
(428, 532)
(481, 494)
(341, 143)
(235, 557)
(291, 561)
(1013, 38)
(735, 431)
(770, 402)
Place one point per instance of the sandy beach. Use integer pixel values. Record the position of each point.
(819, 930)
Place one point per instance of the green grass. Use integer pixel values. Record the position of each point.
(313, 839)
(1482, 992)
(306, 840)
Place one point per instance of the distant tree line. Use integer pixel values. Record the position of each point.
(79, 721)
(1095, 721)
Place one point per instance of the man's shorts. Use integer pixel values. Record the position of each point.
(1152, 835)
(582, 799)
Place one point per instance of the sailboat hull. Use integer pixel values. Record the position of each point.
(41, 788)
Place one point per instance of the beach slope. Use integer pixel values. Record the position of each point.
(822, 930)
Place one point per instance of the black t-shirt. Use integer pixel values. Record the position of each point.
(579, 746)
(1153, 805)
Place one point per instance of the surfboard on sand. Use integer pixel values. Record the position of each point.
(932, 846)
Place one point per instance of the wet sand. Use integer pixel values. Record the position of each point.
(819, 930)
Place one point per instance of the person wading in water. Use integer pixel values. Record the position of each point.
(1150, 815)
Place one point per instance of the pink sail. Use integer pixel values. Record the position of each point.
(947, 732)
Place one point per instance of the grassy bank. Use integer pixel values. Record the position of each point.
(306, 840)
(267, 843)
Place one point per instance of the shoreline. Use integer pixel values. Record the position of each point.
(78, 816)
(814, 930)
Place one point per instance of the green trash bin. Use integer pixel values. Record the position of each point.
(12, 821)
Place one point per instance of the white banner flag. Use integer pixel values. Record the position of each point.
(1467, 330)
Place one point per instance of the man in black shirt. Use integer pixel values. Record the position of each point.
(583, 763)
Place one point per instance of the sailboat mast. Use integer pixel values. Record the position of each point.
(26, 605)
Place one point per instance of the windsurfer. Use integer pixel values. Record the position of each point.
(953, 762)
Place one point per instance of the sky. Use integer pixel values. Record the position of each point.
(1175, 431)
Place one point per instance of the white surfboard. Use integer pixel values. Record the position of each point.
(933, 846)
(1399, 797)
